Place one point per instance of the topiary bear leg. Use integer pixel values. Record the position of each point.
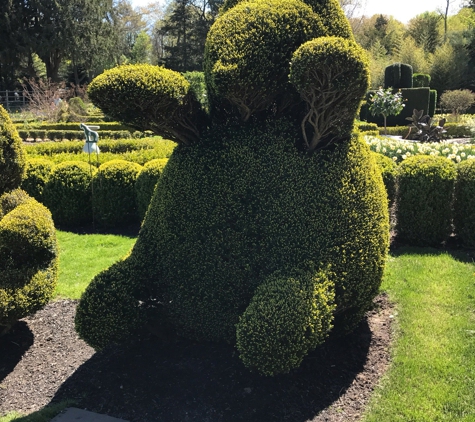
(287, 317)
(112, 308)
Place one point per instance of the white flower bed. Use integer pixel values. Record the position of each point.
(400, 149)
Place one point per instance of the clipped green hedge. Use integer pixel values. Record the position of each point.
(454, 130)
(70, 135)
(389, 172)
(28, 257)
(114, 201)
(145, 184)
(103, 126)
(464, 203)
(164, 147)
(420, 80)
(67, 193)
(398, 75)
(38, 171)
(424, 200)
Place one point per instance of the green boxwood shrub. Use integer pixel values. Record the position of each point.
(38, 171)
(420, 80)
(68, 193)
(145, 184)
(210, 250)
(114, 200)
(28, 257)
(240, 210)
(110, 310)
(12, 156)
(296, 304)
(389, 172)
(464, 203)
(398, 75)
(424, 200)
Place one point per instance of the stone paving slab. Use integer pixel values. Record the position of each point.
(73, 414)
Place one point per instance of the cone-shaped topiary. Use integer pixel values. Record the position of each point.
(251, 236)
(28, 248)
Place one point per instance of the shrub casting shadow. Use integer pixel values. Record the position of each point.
(128, 230)
(182, 380)
(13, 345)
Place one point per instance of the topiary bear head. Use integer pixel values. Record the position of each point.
(269, 223)
(264, 59)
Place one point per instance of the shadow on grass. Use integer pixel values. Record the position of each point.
(45, 414)
(127, 230)
(183, 380)
(13, 345)
(452, 248)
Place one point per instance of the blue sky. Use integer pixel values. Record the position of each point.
(402, 10)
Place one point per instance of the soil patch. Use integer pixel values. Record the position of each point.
(180, 380)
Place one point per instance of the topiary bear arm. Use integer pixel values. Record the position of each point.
(151, 98)
(287, 317)
(332, 75)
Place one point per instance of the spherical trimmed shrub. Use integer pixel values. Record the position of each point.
(424, 200)
(332, 75)
(114, 199)
(12, 156)
(251, 72)
(38, 171)
(145, 184)
(464, 202)
(68, 193)
(389, 172)
(167, 106)
(28, 257)
(110, 309)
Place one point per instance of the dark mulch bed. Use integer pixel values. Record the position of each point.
(43, 361)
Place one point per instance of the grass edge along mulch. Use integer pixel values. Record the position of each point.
(432, 371)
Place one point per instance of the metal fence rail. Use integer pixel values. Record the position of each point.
(13, 100)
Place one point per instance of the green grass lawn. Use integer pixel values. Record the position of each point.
(432, 374)
(82, 256)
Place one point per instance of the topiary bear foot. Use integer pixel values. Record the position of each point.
(287, 317)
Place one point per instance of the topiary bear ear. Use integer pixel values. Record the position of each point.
(332, 76)
(151, 98)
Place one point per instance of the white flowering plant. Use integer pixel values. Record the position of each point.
(399, 149)
(386, 103)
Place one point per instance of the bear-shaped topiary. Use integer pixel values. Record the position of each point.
(269, 225)
(28, 246)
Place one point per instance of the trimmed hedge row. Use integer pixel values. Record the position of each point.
(422, 186)
(70, 135)
(76, 193)
(104, 126)
(112, 146)
(454, 130)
